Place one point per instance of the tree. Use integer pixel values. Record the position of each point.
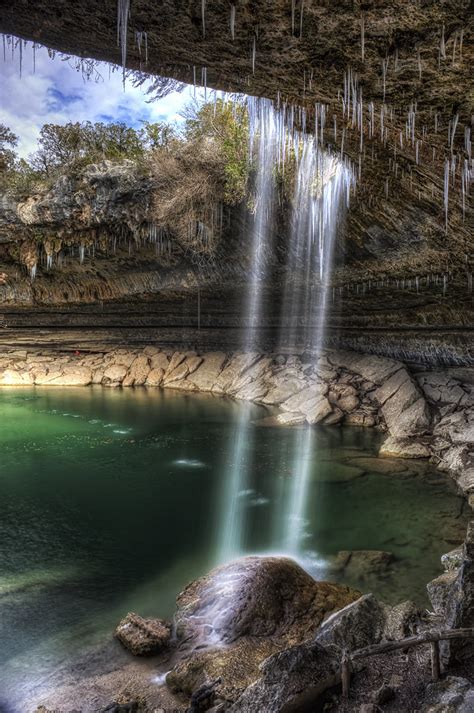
(226, 125)
(8, 141)
(74, 144)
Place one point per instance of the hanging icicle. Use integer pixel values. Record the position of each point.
(203, 15)
(123, 13)
(362, 37)
(232, 22)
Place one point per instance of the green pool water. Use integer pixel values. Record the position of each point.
(112, 500)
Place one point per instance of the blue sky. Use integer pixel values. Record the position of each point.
(57, 93)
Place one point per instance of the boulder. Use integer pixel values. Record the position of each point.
(439, 590)
(359, 418)
(305, 400)
(403, 407)
(155, 377)
(237, 366)
(257, 596)
(283, 389)
(253, 373)
(372, 368)
(317, 411)
(70, 376)
(114, 375)
(401, 620)
(404, 448)
(364, 564)
(11, 377)
(239, 614)
(450, 695)
(176, 374)
(459, 606)
(138, 372)
(143, 637)
(205, 376)
(359, 624)
(452, 560)
(159, 361)
(291, 680)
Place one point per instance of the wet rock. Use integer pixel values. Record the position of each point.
(233, 370)
(229, 621)
(364, 564)
(359, 624)
(451, 695)
(318, 411)
(143, 637)
(333, 418)
(282, 419)
(404, 448)
(385, 466)
(305, 400)
(257, 596)
(289, 680)
(283, 390)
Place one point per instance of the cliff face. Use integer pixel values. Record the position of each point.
(99, 261)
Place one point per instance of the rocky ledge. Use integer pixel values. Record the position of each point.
(424, 414)
(260, 634)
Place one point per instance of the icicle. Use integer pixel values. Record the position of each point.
(419, 63)
(123, 12)
(33, 271)
(446, 193)
(442, 45)
(232, 22)
(81, 253)
(301, 18)
(453, 130)
(203, 13)
(254, 52)
(362, 37)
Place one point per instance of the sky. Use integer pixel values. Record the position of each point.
(55, 92)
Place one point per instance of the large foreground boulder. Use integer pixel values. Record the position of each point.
(231, 620)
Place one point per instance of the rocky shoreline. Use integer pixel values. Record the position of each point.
(260, 634)
(425, 414)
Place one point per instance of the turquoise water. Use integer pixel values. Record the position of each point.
(112, 500)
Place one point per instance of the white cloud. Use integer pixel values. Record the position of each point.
(57, 93)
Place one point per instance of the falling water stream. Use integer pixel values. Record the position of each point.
(264, 135)
(322, 188)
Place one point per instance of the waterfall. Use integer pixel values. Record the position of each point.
(322, 188)
(322, 191)
(265, 135)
